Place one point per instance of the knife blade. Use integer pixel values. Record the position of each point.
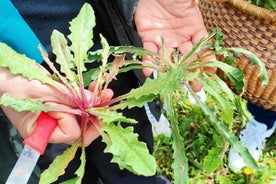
(34, 146)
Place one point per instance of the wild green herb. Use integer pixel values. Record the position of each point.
(119, 140)
(268, 4)
(206, 150)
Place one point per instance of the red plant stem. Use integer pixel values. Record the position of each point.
(107, 103)
(83, 123)
(70, 111)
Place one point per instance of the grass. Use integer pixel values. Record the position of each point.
(207, 151)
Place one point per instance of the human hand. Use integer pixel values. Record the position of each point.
(68, 129)
(179, 22)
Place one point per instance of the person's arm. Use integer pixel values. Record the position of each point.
(15, 32)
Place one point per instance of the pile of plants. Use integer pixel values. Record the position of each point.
(206, 150)
(121, 141)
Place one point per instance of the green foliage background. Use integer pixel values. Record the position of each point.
(269, 4)
(207, 151)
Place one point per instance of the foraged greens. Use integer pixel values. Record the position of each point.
(268, 4)
(122, 142)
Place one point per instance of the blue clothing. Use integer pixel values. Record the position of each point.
(262, 115)
(16, 33)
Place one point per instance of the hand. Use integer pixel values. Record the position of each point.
(179, 22)
(68, 129)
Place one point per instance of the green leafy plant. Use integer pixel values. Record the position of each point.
(206, 150)
(268, 4)
(121, 141)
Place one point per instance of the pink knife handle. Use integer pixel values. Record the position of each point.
(39, 138)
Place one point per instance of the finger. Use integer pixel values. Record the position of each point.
(185, 48)
(92, 85)
(206, 54)
(168, 54)
(107, 95)
(196, 86)
(208, 59)
(147, 71)
(150, 46)
(90, 135)
(68, 129)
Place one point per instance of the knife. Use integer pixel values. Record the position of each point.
(34, 146)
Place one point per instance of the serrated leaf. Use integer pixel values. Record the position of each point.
(136, 51)
(134, 102)
(71, 181)
(190, 76)
(234, 74)
(80, 171)
(117, 63)
(255, 61)
(222, 101)
(103, 67)
(58, 166)
(218, 39)
(165, 83)
(26, 104)
(237, 145)
(20, 64)
(139, 51)
(180, 163)
(213, 160)
(81, 35)
(228, 92)
(229, 136)
(108, 116)
(63, 55)
(128, 152)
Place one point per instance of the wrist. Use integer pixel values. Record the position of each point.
(3, 80)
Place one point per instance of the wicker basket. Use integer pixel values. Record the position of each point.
(249, 27)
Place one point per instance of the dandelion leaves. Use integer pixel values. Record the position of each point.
(165, 83)
(20, 64)
(255, 61)
(26, 104)
(81, 35)
(234, 74)
(63, 56)
(128, 152)
(57, 167)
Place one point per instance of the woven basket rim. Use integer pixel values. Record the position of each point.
(254, 10)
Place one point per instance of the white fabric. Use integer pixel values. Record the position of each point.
(253, 137)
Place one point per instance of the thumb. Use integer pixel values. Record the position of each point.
(68, 129)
